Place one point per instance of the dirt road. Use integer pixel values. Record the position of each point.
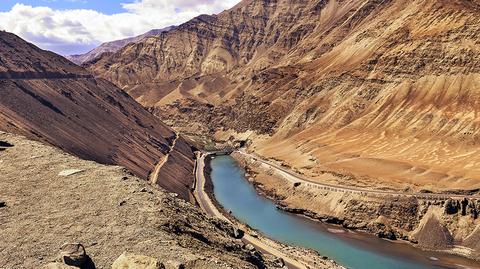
(154, 175)
(296, 178)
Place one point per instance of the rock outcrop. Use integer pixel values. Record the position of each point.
(46, 97)
(133, 261)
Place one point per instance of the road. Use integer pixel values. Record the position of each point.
(158, 167)
(296, 178)
(207, 205)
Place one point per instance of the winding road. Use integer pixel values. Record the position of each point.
(158, 167)
(296, 178)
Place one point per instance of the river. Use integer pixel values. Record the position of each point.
(351, 249)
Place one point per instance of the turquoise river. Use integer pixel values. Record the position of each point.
(351, 249)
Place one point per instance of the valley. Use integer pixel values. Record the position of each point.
(351, 129)
(372, 97)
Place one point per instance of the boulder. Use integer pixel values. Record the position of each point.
(4, 144)
(387, 234)
(279, 262)
(451, 207)
(73, 254)
(134, 261)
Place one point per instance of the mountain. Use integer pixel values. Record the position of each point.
(47, 98)
(113, 46)
(382, 92)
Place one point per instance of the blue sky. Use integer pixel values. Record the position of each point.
(108, 7)
(77, 26)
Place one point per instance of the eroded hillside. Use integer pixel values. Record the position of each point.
(50, 198)
(47, 98)
(382, 92)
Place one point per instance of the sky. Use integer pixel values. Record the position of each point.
(77, 26)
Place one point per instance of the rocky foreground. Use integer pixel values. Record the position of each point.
(49, 200)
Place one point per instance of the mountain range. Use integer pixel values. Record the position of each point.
(382, 91)
(113, 46)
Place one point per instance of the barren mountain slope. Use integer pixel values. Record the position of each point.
(384, 93)
(46, 97)
(109, 211)
(112, 46)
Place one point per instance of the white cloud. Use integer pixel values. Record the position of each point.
(78, 30)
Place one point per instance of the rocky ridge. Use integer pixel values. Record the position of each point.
(108, 210)
(112, 46)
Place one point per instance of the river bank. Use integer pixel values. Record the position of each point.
(334, 209)
(310, 257)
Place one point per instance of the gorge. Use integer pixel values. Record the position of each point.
(351, 126)
(379, 95)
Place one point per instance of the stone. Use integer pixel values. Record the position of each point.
(279, 262)
(69, 172)
(58, 265)
(5, 144)
(73, 254)
(134, 261)
(249, 247)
